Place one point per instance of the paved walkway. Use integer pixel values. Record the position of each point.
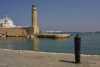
(12, 58)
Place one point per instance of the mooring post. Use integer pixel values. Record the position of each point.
(77, 43)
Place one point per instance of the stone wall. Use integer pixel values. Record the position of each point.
(20, 31)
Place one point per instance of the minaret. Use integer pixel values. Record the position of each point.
(34, 19)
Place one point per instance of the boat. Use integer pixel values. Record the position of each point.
(31, 36)
(3, 36)
(27, 36)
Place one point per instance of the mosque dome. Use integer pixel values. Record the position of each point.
(6, 22)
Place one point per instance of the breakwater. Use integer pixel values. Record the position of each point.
(54, 35)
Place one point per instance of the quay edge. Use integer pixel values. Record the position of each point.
(54, 35)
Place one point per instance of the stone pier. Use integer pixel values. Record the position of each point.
(54, 35)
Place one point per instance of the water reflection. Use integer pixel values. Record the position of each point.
(19, 43)
(35, 42)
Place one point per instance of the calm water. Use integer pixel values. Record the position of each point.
(90, 43)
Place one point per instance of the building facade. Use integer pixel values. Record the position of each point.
(7, 26)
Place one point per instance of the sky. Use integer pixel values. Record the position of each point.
(55, 15)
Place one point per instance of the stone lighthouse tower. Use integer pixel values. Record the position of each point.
(34, 19)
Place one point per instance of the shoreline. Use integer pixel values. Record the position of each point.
(50, 52)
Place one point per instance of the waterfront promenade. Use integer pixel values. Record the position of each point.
(22, 58)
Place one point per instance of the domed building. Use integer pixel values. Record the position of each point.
(8, 28)
(6, 23)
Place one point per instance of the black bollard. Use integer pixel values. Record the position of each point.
(77, 42)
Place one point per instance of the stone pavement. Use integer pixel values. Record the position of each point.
(16, 58)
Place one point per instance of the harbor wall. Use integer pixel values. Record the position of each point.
(19, 31)
(54, 35)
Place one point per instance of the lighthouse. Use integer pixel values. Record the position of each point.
(34, 19)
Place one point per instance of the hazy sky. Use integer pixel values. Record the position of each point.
(63, 15)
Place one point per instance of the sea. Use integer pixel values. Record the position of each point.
(90, 43)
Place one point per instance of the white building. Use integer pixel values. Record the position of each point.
(6, 23)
